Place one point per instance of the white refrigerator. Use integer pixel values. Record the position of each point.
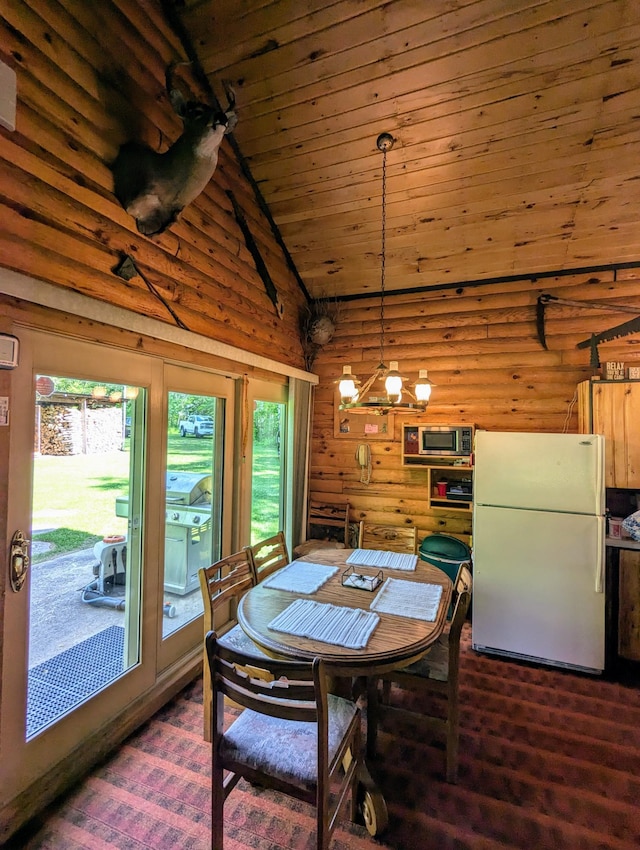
(539, 548)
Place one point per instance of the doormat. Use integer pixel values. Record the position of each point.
(60, 684)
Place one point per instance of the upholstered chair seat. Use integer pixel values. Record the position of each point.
(237, 639)
(285, 749)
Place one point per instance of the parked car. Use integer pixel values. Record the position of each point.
(196, 426)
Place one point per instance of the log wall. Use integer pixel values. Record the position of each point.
(91, 76)
(481, 347)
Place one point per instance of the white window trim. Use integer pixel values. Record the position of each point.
(46, 295)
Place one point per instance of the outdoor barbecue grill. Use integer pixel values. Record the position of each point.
(187, 545)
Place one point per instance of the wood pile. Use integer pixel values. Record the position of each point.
(76, 429)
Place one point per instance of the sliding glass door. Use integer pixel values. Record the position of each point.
(84, 593)
(74, 629)
(266, 451)
(198, 485)
(267, 469)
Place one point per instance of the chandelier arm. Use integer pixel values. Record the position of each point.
(364, 389)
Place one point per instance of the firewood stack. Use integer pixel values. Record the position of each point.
(70, 430)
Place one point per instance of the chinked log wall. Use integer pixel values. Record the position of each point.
(90, 76)
(482, 351)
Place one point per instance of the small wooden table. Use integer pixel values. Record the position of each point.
(396, 642)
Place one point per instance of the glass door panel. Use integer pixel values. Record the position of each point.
(193, 501)
(268, 469)
(84, 592)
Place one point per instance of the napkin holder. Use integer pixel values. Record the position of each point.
(352, 578)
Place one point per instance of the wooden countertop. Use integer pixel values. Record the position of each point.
(622, 543)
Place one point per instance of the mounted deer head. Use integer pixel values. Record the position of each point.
(155, 187)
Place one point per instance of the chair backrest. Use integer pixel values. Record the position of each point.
(391, 538)
(461, 601)
(223, 583)
(294, 690)
(328, 522)
(268, 555)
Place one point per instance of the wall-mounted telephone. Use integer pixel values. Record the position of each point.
(363, 457)
(363, 454)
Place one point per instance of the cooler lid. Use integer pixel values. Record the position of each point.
(445, 546)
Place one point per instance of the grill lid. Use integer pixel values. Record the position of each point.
(188, 488)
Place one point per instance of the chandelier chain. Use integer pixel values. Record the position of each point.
(361, 397)
(384, 251)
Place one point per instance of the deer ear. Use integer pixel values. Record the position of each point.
(178, 102)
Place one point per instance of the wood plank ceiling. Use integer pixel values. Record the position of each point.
(517, 127)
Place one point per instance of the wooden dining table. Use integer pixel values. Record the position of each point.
(396, 641)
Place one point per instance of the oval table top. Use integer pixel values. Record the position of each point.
(396, 641)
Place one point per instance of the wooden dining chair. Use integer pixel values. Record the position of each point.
(268, 555)
(327, 528)
(293, 736)
(437, 672)
(390, 538)
(222, 585)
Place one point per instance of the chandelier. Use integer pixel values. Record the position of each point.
(392, 395)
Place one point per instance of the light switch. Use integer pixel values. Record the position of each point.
(7, 97)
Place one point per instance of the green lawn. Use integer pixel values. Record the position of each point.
(265, 507)
(74, 496)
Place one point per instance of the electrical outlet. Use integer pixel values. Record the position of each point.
(7, 97)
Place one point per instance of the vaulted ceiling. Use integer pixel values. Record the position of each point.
(516, 127)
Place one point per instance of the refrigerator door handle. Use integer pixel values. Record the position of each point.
(600, 488)
(600, 561)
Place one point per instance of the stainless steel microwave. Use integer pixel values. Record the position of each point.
(445, 440)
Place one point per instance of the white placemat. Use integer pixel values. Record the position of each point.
(300, 577)
(348, 627)
(408, 599)
(379, 558)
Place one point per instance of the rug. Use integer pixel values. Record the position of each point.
(549, 760)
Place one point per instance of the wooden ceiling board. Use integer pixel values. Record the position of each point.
(517, 127)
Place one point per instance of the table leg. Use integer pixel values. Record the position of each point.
(372, 715)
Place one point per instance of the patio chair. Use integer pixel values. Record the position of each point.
(222, 585)
(268, 555)
(293, 736)
(390, 538)
(437, 673)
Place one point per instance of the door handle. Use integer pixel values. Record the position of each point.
(19, 560)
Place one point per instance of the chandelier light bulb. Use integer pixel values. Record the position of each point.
(393, 382)
(423, 386)
(347, 386)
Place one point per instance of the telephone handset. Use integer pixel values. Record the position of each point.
(363, 457)
(363, 454)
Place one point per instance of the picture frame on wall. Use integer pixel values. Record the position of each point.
(362, 427)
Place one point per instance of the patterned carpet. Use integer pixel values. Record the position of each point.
(549, 759)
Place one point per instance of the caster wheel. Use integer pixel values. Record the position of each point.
(374, 812)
